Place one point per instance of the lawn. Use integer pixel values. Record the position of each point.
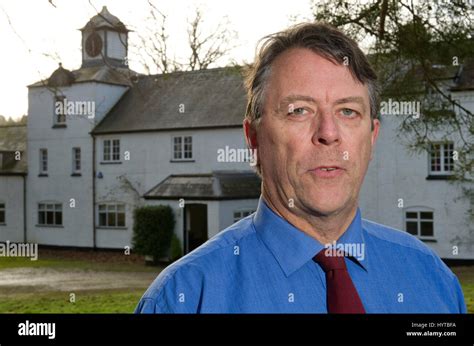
(101, 301)
(118, 300)
(466, 278)
(61, 263)
(31, 299)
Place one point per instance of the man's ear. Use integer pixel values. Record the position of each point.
(374, 135)
(250, 134)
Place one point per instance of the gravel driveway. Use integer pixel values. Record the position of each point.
(48, 279)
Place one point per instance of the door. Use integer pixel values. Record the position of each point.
(195, 226)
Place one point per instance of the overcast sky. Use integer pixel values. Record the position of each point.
(35, 35)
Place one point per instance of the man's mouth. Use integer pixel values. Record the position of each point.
(327, 171)
(328, 168)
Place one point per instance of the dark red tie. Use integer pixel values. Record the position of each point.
(342, 296)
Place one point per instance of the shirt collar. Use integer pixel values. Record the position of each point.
(292, 248)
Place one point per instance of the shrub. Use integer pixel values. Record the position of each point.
(153, 230)
(176, 252)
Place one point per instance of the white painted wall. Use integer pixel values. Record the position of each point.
(116, 45)
(228, 207)
(150, 163)
(11, 193)
(60, 186)
(395, 174)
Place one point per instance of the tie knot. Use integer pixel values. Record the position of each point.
(329, 262)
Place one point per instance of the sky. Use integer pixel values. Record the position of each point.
(35, 35)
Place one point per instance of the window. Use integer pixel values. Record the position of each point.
(111, 215)
(2, 213)
(59, 110)
(50, 214)
(43, 161)
(419, 223)
(111, 150)
(76, 160)
(240, 214)
(183, 148)
(441, 158)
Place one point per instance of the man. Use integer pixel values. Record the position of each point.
(312, 117)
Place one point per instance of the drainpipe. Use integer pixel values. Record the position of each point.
(94, 231)
(25, 236)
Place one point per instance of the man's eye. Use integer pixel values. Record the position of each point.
(348, 112)
(297, 111)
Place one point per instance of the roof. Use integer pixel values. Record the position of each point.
(100, 74)
(218, 185)
(179, 100)
(105, 20)
(12, 139)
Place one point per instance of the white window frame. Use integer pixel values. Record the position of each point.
(50, 207)
(442, 158)
(3, 210)
(111, 150)
(76, 160)
(418, 220)
(43, 161)
(183, 148)
(107, 208)
(242, 213)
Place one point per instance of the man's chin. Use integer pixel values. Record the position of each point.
(324, 209)
(325, 205)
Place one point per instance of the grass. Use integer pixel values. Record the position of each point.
(31, 300)
(101, 301)
(466, 278)
(57, 263)
(19, 300)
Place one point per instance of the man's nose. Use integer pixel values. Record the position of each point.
(327, 131)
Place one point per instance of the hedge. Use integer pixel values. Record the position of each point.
(153, 230)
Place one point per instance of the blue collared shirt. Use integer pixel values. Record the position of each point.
(263, 264)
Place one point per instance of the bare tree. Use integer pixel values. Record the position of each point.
(205, 49)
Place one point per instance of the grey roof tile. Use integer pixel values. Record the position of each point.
(209, 98)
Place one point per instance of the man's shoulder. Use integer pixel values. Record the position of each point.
(188, 274)
(395, 236)
(404, 243)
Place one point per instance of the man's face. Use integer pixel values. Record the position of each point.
(316, 118)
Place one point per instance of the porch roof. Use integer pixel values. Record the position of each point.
(218, 185)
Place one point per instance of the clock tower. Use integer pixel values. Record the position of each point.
(104, 41)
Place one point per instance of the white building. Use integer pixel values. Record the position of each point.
(125, 140)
